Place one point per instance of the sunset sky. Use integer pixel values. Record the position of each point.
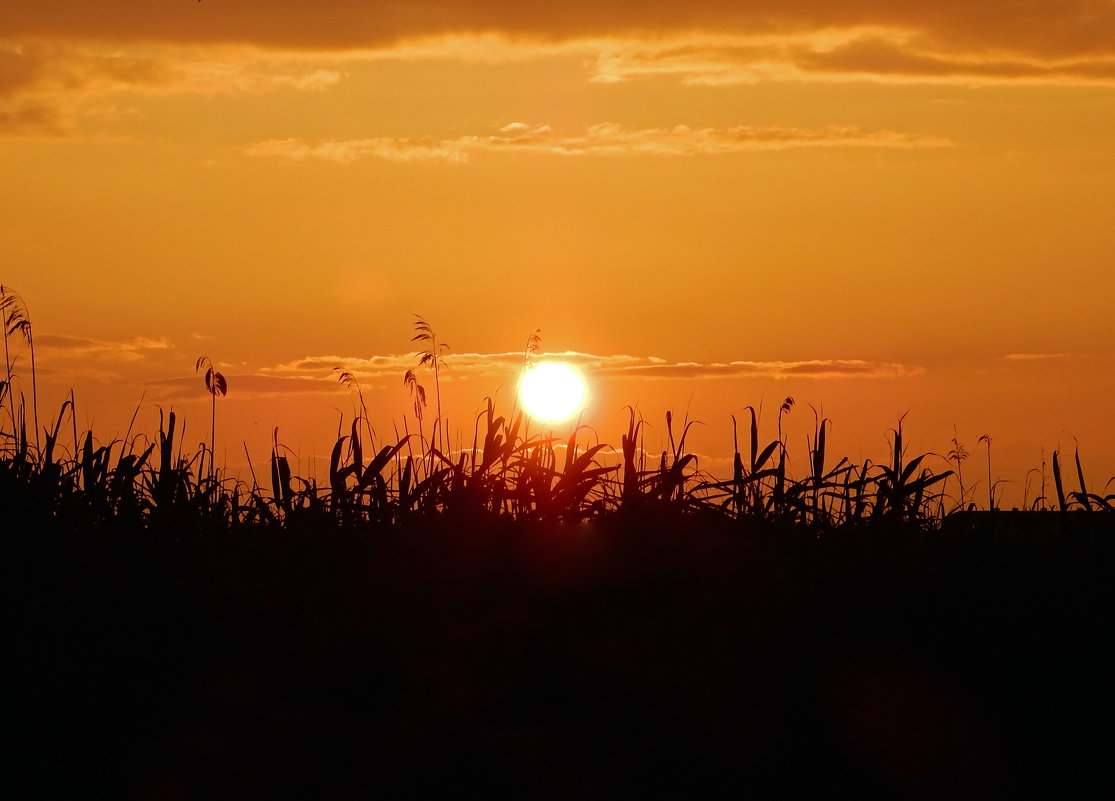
(878, 208)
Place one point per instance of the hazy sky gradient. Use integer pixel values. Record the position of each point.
(878, 208)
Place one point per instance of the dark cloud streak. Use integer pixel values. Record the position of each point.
(30, 68)
(32, 119)
(1054, 29)
(882, 57)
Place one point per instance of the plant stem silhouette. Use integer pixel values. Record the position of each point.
(349, 380)
(784, 409)
(17, 319)
(534, 344)
(958, 454)
(986, 438)
(418, 392)
(7, 298)
(216, 385)
(431, 357)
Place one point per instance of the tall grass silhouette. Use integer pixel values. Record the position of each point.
(17, 320)
(216, 386)
(505, 472)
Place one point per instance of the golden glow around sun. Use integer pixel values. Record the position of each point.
(552, 391)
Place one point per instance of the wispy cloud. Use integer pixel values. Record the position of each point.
(70, 361)
(1030, 357)
(32, 119)
(903, 59)
(604, 139)
(893, 55)
(42, 69)
(47, 85)
(122, 350)
(709, 41)
(46, 88)
(812, 368)
(462, 366)
(350, 150)
(37, 69)
(1048, 28)
(75, 374)
(242, 386)
(318, 374)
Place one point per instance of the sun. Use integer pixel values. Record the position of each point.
(552, 391)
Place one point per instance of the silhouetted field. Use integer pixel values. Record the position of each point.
(651, 653)
(517, 616)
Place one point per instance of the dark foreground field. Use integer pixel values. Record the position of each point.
(657, 655)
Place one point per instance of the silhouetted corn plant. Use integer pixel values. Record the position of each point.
(901, 493)
(825, 487)
(746, 495)
(1061, 503)
(1088, 501)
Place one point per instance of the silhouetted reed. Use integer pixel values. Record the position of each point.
(506, 473)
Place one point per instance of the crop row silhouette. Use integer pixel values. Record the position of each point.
(505, 472)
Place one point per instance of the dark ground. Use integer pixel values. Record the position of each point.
(654, 656)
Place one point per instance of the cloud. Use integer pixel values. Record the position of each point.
(45, 87)
(896, 59)
(69, 361)
(79, 347)
(814, 368)
(849, 54)
(319, 374)
(241, 387)
(32, 119)
(604, 139)
(72, 48)
(347, 151)
(463, 366)
(38, 69)
(456, 366)
(1029, 357)
(1052, 28)
(76, 375)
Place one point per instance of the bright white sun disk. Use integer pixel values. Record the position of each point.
(552, 391)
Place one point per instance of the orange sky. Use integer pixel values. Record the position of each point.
(877, 208)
